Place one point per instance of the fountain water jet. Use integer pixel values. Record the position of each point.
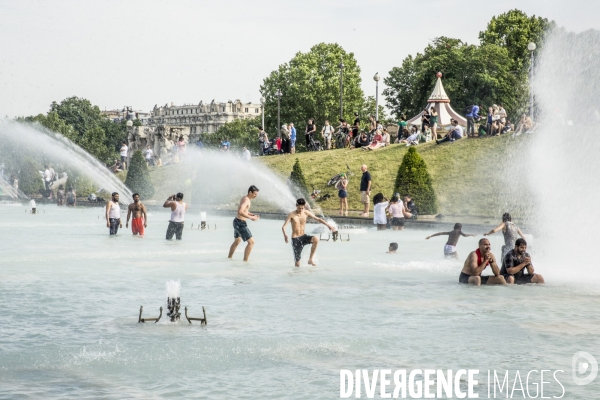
(34, 137)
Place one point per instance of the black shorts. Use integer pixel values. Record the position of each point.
(298, 244)
(123, 159)
(464, 278)
(114, 225)
(522, 280)
(397, 221)
(240, 229)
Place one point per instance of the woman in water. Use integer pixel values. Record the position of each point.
(510, 232)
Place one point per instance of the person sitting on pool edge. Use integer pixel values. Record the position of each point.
(392, 249)
(476, 262)
(514, 264)
(453, 236)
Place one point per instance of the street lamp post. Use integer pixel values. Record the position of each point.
(278, 95)
(376, 79)
(341, 66)
(262, 102)
(531, 47)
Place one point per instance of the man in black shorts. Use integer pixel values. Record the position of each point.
(240, 228)
(476, 262)
(299, 238)
(514, 264)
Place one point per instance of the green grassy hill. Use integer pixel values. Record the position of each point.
(466, 174)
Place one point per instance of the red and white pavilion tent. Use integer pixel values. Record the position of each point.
(441, 102)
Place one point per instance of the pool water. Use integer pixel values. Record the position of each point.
(71, 297)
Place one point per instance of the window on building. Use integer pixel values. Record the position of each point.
(256, 110)
(245, 110)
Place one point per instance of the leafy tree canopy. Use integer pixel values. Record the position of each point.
(310, 84)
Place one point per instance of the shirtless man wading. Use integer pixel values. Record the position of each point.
(140, 219)
(476, 262)
(299, 238)
(240, 228)
(113, 214)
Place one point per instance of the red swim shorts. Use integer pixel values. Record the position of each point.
(137, 226)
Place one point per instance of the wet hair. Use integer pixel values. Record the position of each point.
(378, 198)
(394, 246)
(179, 196)
(115, 193)
(506, 217)
(520, 241)
(300, 202)
(135, 194)
(394, 199)
(457, 225)
(482, 239)
(252, 189)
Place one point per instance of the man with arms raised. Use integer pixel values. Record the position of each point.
(176, 222)
(240, 228)
(299, 238)
(140, 219)
(113, 214)
(514, 264)
(476, 262)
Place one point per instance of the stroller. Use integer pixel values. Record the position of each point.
(314, 145)
(270, 148)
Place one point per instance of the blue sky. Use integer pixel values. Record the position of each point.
(142, 53)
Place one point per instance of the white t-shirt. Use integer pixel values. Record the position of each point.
(458, 130)
(47, 175)
(327, 130)
(149, 154)
(123, 151)
(246, 155)
(379, 213)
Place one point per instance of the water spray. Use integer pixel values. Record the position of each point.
(173, 306)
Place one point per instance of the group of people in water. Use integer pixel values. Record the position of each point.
(516, 267)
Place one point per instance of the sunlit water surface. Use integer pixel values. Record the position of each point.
(71, 296)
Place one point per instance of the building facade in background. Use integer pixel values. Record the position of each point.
(202, 118)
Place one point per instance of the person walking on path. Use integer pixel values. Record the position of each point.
(365, 190)
(240, 228)
(178, 209)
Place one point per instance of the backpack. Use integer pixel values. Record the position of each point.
(469, 110)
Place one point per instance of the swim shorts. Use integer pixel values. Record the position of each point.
(137, 226)
(175, 228)
(298, 244)
(521, 280)
(449, 249)
(464, 278)
(240, 229)
(397, 221)
(114, 225)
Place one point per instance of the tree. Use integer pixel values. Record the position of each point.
(138, 176)
(310, 84)
(298, 180)
(240, 132)
(472, 74)
(513, 31)
(414, 179)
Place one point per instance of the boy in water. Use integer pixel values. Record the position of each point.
(299, 238)
(392, 249)
(240, 228)
(140, 219)
(453, 236)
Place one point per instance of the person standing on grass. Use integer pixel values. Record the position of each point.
(292, 138)
(453, 236)
(433, 122)
(327, 134)
(311, 128)
(365, 190)
(240, 228)
(123, 153)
